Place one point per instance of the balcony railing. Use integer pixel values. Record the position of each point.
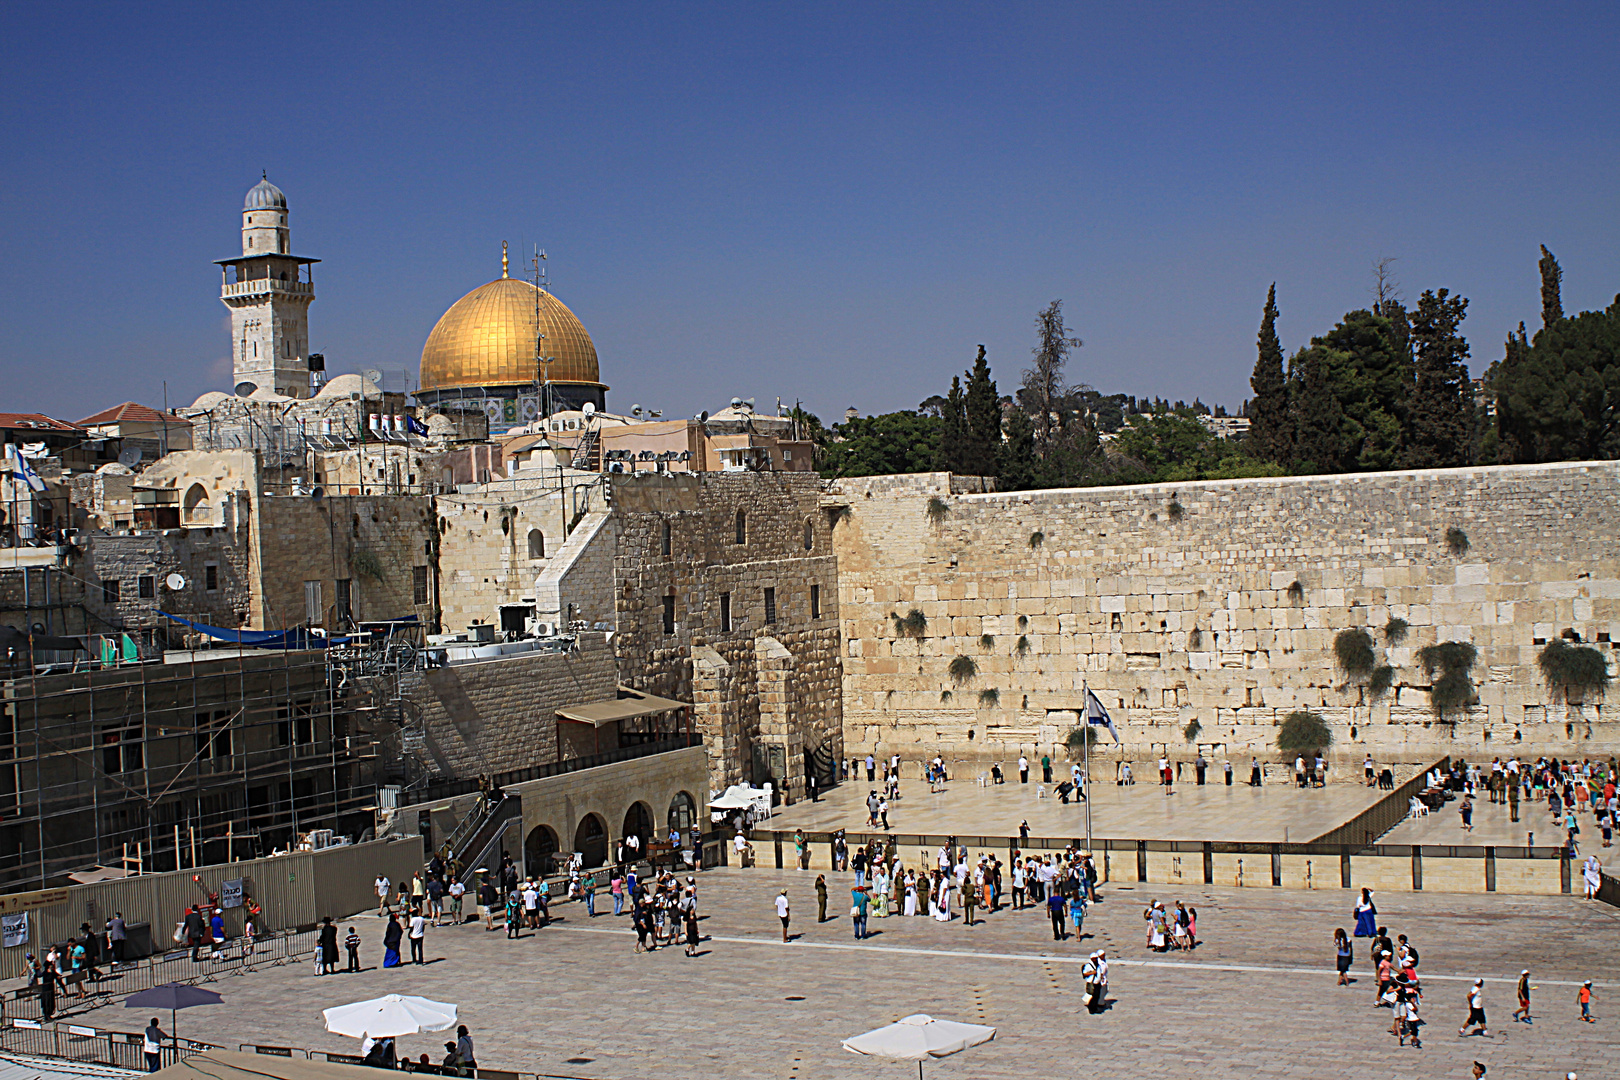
(261, 286)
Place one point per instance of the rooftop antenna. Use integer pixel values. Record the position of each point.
(542, 362)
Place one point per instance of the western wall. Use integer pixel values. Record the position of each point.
(1218, 603)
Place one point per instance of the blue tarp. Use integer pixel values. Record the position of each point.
(297, 638)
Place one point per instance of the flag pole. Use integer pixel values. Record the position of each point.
(1085, 756)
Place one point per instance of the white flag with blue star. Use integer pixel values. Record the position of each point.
(1096, 714)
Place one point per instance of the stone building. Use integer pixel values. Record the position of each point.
(268, 290)
(1202, 614)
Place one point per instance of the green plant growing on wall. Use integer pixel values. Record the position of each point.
(944, 696)
(1456, 542)
(1023, 621)
(1383, 677)
(1395, 630)
(1190, 732)
(366, 564)
(1447, 665)
(1175, 510)
(963, 669)
(1195, 639)
(1303, 731)
(937, 509)
(990, 698)
(913, 624)
(1296, 592)
(987, 642)
(1022, 648)
(1573, 671)
(1036, 539)
(1353, 650)
(1081, 735)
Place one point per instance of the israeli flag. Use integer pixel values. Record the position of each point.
(24, 472)
(1096, 714)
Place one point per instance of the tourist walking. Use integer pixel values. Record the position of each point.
(1055, 910)
(1344, 954)
(782, 910)
(1524, 999)
(383, 886)
(1366, 915)
(352, 944)
(1100, 998)
(391, 936)
(418, 936)
(857, 910)
(1476, 1011)
(1592, 876)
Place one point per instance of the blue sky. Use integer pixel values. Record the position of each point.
(827, 203)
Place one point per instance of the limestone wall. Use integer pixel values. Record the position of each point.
(1218, 602)
(497, 716)
(704, 562)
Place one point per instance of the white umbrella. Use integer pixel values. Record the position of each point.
(917, 1038)
(390, 1015)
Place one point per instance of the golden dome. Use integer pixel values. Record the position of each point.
(487, 339)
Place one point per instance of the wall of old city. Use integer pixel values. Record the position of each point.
(766, 688)
(383, 545)
(1218, 603)
(485, 718)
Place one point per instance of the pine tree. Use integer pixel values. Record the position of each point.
(1438, 413)
(952, 430)
(1016, 462)
(982, 409)
(1552, 280)
(1270, 432)
(1319, 420)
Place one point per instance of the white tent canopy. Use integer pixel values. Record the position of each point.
(390, 1015)
(741, 797)
(919, 1037)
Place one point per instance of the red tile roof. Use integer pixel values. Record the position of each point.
(131, 411)
(35, 421)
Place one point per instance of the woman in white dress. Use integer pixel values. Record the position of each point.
(943, 914)
(911, 893)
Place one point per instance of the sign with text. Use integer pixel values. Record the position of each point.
(14, 929)
(22, 901)
(230, 893)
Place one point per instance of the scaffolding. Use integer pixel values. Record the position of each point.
(164, 764)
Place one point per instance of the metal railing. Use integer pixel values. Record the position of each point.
(75, 1042)
(449, 789)
(80, 991)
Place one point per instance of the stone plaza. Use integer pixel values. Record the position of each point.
(1257, 997)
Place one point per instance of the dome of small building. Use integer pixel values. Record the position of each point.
(264, 196)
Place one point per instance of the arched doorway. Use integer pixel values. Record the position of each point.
(638, 822)
(540, 850)
(682, 813)
(195, 506)
(590, 840)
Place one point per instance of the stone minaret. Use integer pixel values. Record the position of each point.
(268, 290)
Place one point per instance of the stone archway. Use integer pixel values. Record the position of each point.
(638, 822)
(591, 840)
(540, 850)
(682, 813)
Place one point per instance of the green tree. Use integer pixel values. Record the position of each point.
(1558, 397)
(1169, 446)
(1439, 413)
(1552, 288)
(1368, 372)
(1016, 463)
(1270, 433)
(952, 431)
(982, 411)
(1319, 420)
(897, 442)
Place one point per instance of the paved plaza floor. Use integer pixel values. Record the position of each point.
(1276, 811)
(1493, 825)
(1257, 998)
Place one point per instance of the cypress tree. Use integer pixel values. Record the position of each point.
(1552, 280)
(982, 410)
(1513, 440)
(1269, 427)
(952, 429)
(1438, 413)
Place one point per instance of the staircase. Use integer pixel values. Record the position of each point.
(587, 455)
(480, 828)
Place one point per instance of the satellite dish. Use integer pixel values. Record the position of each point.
(175, 582)
(373, 376)
(245, 389)
(130, 455)
(588, 409)
(317, 494)
(635, 410)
